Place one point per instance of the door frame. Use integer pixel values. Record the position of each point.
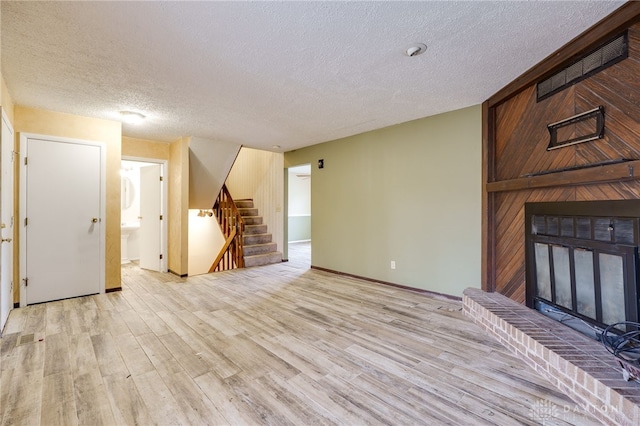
(164, 205)
(24, 137)
(5, 121)
(287, 198)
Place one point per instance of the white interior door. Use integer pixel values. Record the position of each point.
(63, 207)
(6, 220)
(150, 223)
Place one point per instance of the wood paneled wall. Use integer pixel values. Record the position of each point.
(516, 138)
(259, 175)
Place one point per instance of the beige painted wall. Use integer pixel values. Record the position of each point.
(205, 241)
(259, 175)
(409, 193)
(178, 206)
(31, 120)
(144, 148)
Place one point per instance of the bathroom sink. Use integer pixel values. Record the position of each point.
(128, 228)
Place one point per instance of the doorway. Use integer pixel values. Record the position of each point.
(299, 214)
(143, 214)
(62, 206)
(6, 219)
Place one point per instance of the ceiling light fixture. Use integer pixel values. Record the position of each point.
(276, 147)
(416, 49)
(131, 117)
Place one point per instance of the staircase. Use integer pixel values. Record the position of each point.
(257, 245)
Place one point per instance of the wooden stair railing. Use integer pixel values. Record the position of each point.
(231, 255)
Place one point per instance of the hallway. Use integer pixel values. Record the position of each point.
(300, 254)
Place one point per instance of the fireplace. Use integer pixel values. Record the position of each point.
(582, 262)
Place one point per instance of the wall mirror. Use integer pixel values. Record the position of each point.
(127, 192)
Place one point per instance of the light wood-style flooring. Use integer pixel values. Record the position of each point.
(280, 344)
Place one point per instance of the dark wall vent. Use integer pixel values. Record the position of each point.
(611, 53)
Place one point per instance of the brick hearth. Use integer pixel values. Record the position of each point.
(577, 365)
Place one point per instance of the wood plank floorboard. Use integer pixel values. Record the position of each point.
(276, 345)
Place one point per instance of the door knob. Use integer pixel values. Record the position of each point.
(6, 240)
(94, 220)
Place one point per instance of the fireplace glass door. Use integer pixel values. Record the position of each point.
(582, 262)
(595, 283)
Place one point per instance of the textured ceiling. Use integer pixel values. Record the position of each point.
(275, 73)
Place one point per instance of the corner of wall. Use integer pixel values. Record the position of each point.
(178, 205)
(6, 100)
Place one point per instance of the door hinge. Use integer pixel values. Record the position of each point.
(26, 281)
(160, 217)
(160, 178)
(160, 257)
(25, 161)
(26, 221)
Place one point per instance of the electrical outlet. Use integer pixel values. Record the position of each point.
(393, 264)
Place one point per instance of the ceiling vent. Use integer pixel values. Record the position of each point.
(611, 53)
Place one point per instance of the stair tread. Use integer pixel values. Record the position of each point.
(271, 253)
(252, 220)
(255, 229)
(263, 259)
(260, 248)
(247, 209)
(249, 239)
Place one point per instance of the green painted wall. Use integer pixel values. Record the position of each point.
(299, 228)
(409, 193)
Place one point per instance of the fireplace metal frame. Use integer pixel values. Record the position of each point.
(603, 237)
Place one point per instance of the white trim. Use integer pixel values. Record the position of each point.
(24, 137)
(7, 122)
(164, 208)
